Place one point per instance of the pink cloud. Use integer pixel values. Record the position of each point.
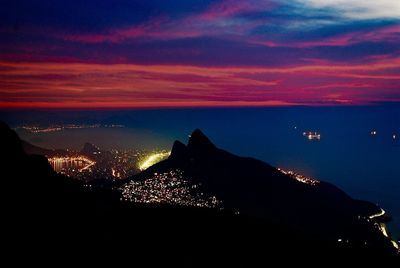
(129, 85)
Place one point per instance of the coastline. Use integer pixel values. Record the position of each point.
(380, 220)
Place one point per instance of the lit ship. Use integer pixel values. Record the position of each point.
(312, 135)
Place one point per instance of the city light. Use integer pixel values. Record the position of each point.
(299, 177)
(380, 214)
(56, 128)
(61, 163)
(110, 165)
(168, 188)
(153, 159)
(382, 227)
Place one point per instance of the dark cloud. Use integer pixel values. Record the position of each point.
(90, 15)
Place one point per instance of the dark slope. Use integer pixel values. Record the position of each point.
(258, 189)
(46, 216)
(33, 149)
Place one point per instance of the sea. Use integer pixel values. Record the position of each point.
(358, 150)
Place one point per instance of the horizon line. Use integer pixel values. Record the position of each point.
(167, 107)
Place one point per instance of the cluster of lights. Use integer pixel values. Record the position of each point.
(373, 219)
(168, 188)
(115, 173)
(60, 163)
(378, 225)
(299, 177)
(124, 163)
(115, 165)
(41, 130)
(153, 159)
(55, 128)
(379, 214)
(382, 227)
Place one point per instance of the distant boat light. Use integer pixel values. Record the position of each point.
(312, 135)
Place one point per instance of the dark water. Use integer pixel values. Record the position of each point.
(365, 166)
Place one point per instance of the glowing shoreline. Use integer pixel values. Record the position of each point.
(382, 227)
(153, 159)
(58, 160)
(378, 214)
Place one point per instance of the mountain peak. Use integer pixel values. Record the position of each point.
(199, 141)
(10, 143)
(178, 150)
(89, 149)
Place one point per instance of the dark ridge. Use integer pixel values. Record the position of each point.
(257, 189)
(33, 149)
(10, 144)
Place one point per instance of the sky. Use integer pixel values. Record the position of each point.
(198, 53)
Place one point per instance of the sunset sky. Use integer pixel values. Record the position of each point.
(195, 53)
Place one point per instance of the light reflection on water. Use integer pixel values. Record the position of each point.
(65, 164)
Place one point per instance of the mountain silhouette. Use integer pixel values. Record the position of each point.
(257, 189)
(48, 214)
(89, 149)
